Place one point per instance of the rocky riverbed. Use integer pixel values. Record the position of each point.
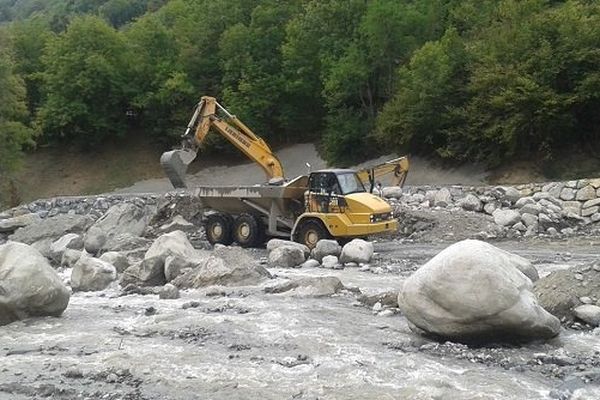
(288, 332)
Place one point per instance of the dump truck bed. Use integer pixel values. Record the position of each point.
(253, 199)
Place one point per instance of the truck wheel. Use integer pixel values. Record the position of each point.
(310, 232)
(218, 229)
(248, 231)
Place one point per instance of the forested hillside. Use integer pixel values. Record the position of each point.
(460, 79)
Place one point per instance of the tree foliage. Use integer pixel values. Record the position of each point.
(459, 79)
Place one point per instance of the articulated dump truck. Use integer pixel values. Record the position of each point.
(329, 203)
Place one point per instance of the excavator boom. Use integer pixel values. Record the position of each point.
(398, 167)
(205, 118)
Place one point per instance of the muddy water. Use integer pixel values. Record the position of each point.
(240, 343)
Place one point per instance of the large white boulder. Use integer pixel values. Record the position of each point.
(286, 257)
(222, 270)
(326, 247)
(91, 274)
(506, 217)
(358, 251)
(119, 219)
(473, 291)
(275, 243)
(173, 243)
(28, 285)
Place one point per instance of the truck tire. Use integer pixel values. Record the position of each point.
(248, 231)
(310, 232)
(218, 229)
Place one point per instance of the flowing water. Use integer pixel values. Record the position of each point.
(240, 343)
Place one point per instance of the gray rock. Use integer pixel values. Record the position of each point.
(125, 218)
(286, 257)
(594, 182)
(572, 206)
(168, 292)
(178, 223)
(43, 246)
(91, 274)
(554, 189)
(358, 251)
(470, 203)
(595, 217)
(275, 243)
(519, 227)
(506, 217)
(51, 228)
(586, 193)
(175, 266)
(591, 203)
(560, 291)
(552, 231)
(70, 258)
(586, 212)
(443, 198)
(534, 209)
(68, 241)
(29, 287)
(172, 244)
(588, 313)
(392, 192)
(473, 291)
(490, 207)
(571, 184)
(94, 240)
(330, 262)
(126, 242)
(118, 260)
(217, 271)
(326, 247)
(523, 201)
(529, 219)
(510, 194)
(308, 286)
(148, 272)
(12, 224)
(310, 264)
(567, 194)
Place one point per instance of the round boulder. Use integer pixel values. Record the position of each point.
(28, 285)
(91, 274)
(358, 251)
(326, 247)
(473, 291)
(286, 256)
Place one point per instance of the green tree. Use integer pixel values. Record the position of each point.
(86, 84)
(251, 61)
(14, 132)
(431, 91)
(29, 38)
(364, 77)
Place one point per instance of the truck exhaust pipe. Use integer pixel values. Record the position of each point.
(175, 164)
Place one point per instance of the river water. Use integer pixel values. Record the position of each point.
(244, 344)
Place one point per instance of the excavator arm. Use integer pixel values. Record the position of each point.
(204, 119)
(398, 167)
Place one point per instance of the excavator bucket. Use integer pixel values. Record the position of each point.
(175, 163)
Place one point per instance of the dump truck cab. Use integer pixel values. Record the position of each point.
(337, 205)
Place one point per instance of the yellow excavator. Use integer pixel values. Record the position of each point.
(329, 203)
